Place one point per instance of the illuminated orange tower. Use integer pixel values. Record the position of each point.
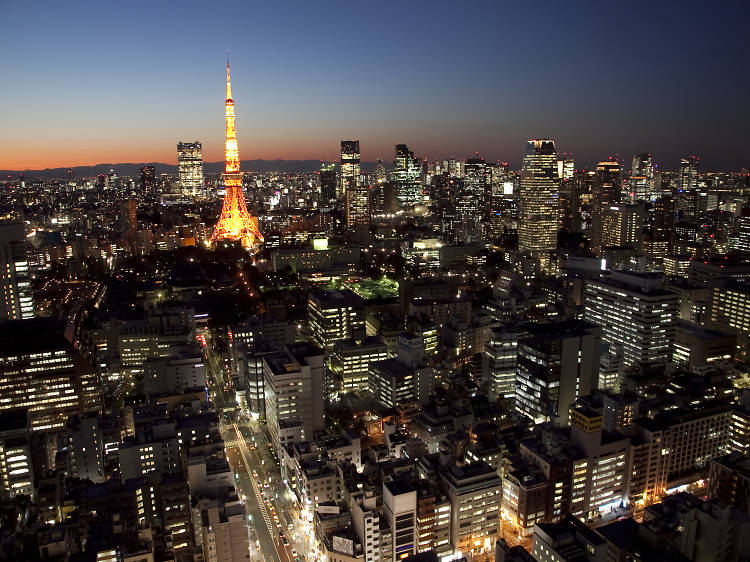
(235, 223)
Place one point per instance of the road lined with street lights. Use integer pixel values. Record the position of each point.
(250, 468)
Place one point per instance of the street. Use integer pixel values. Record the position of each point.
(268, 503)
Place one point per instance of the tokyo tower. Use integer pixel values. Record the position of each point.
(235, 223)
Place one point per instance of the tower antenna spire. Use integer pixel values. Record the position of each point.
(235, 223)
(229, 82)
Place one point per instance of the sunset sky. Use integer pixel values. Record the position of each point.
(93, 82)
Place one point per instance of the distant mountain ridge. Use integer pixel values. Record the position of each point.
(131, 169)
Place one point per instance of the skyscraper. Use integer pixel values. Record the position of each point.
(557, 363)
(499, 361)
(16, 302)
(686, 200)
(128, 217)
(42, 371)
(349, 165)
(689, 173)
(359, 214)
(605, 193)
(147, 180)
(622, 225)
(327, 184)
(406, 177)
(538, 200)
(190, 167)
(380, 173)
(641, 178)
(294, 393)
(358, 210)
(474, 199)
(637, 316)
(16, 464)
(565, 166)
(740, 238)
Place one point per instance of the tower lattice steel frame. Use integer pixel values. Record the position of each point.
(235, 223)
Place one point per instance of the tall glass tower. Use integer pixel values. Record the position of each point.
(349, 165)
(539, 200)
(190, 167)
(16, 301)
(406, 177)
(641, 178)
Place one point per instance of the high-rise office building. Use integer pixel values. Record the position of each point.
(557, 363)
(16, 466)
(294, 393)
(406, 177)
(42, 371)
(474, 200)
(147, 180)
(605, 193)
(637, 316)
(225, 537)
(350, 362)
(349, 166)
(622, 225)
(569, 217)
(128, 217)
(688, 180)
(474, 492)
(335, 316)
(538, 200)
(190, 167)
(400, 512)
(739, 240)
(499, 361)
(641, 185)
(16, 302)
(566, 166)
(730, 311)
(380, 173)
(327, 184)
(478, 181)
(358, 210)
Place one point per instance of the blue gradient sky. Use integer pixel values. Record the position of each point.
(90, 82)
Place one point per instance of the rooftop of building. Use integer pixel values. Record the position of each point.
(15, 420)
(684, 414)
(281, 362)
(445, 300)
(426, 556)
(625, 534)
(391, 368)
(399, 487)
(700, 332)
(572, 528)
(735, 461)
(197, 420)
(35, 335)
(527, 477)
(329, 299)
(645, 283)
(722, 262)
(302, 351)
(560, 329)
(367, 344)
(472, 471)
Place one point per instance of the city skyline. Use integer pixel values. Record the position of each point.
(445, 82)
